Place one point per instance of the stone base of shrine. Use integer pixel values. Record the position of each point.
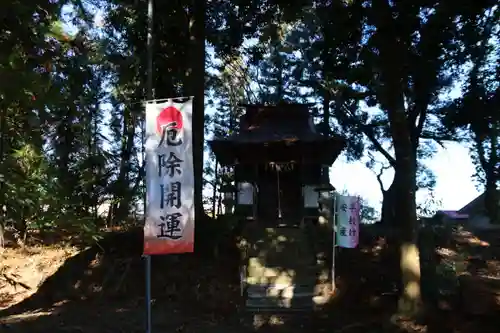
(286, 297)
(281, 272)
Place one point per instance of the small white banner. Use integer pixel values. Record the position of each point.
(245, 193)
(169, 226)
(310, 196)
(348, 217)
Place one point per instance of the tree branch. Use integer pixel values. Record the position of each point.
(367, 130)
(380, 173)
(420, 112)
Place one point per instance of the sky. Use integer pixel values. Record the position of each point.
(451, 165)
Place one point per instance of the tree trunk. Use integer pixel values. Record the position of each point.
(389, 205)
(402, 133)
(491, 201)
(410, 302)
(389, 223)
(2, 231)
(2, 196)
(214, 194)
(491, 170)
(196, 87)
(122, 185)
(21, 226)
(326, 123)
(219, 204)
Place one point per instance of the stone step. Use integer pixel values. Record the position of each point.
(283, 267)
(306, 275)
(281, 280)
(284, 304)
(281, 291)
(254, 267)
(283, 264)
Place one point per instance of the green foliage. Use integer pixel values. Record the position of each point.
(474, 116)
(430, 205)
(51, 149)
(72, 122)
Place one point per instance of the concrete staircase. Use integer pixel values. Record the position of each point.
(279, 270)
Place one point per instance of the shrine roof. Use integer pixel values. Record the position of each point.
(284, 122)
(287, 124)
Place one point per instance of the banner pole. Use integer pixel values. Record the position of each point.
(148, 294)
(334, 227)
(149, 96)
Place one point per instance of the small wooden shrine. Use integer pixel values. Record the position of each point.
(279, 159)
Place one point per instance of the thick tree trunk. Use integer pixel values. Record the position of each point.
(196, 87)
(326, 125)
(391, 227)
(490, 167)
(410, 302)
(404, 142)
(2, 196)
(388, 217)
(491, 201)
(122, 192)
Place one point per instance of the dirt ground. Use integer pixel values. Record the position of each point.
(101, 289)
(22, 271)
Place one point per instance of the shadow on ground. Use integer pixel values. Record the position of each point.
(102, 290)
